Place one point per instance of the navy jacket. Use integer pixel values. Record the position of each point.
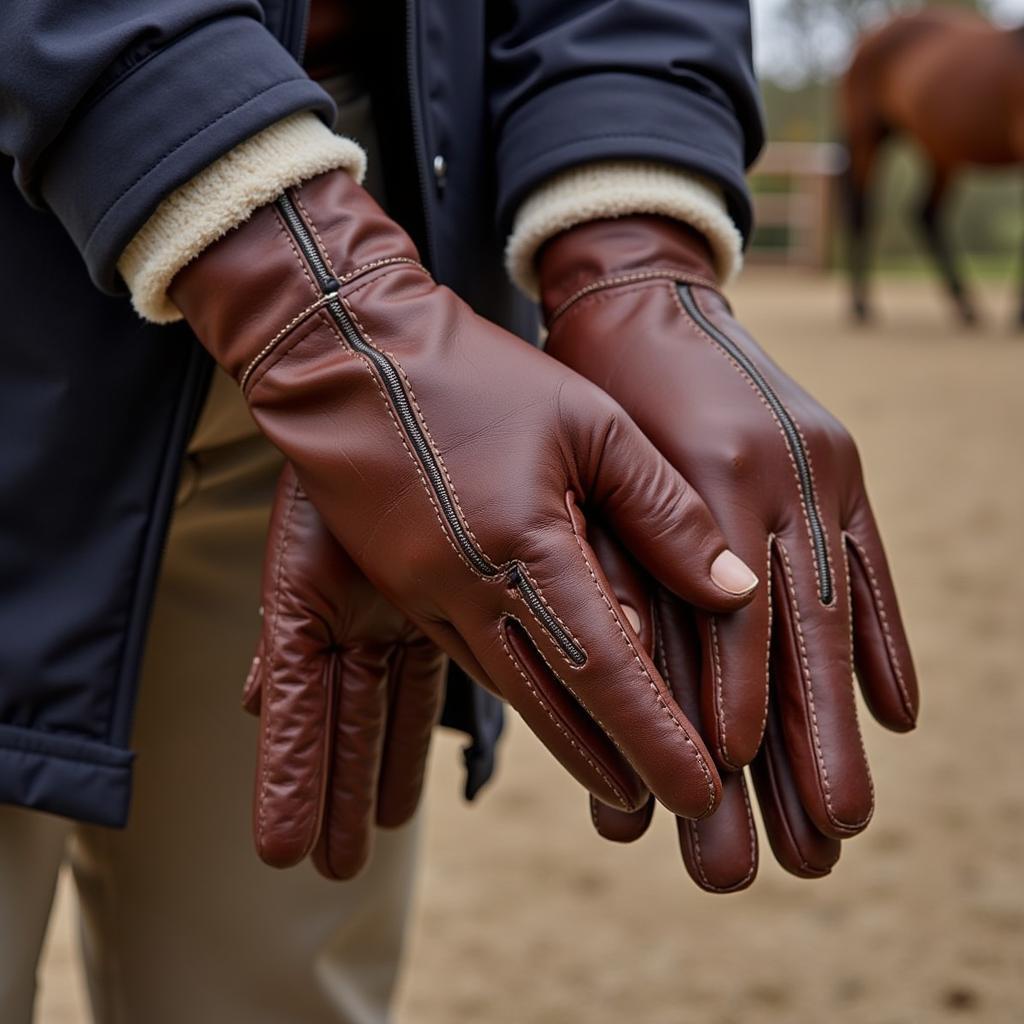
(106, 108)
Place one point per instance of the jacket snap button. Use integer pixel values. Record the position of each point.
(440, 170)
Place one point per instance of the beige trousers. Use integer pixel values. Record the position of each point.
(180, 922)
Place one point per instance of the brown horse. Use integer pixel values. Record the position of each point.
(953, 83)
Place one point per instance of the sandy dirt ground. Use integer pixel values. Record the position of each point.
(524, 917)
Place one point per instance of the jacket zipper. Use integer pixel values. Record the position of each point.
(418, 129)
(801, 457)
(297, 30)
(515, 574)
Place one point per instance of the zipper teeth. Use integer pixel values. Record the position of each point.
(392, 382)
(573, 651)
(327, 281)
(400, 399)
(789, 428)
(515, 576)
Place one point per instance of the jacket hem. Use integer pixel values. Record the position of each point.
(65, 775)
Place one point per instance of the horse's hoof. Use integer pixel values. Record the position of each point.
(860, 313)
(969, 316)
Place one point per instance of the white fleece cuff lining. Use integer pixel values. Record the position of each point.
(617, 188)
(224, 195)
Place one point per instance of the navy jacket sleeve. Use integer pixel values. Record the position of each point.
(585, 80)
(108, 107)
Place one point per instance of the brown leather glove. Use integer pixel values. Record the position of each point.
(453, 461)
(632, 304)
(348, 692)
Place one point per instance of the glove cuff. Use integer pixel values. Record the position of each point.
(618, 188)
(223, 196)
(624, 251)
(246, 291)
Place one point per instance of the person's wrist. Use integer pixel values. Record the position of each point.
(622, 250)
(608, 189)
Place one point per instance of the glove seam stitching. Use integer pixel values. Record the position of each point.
(716, 663)
(767, 663)
(290, 326)
(691, 826)
(768, 638)
(883, 617)
(780, 804)
(441, 462)
(822, 775)
(297, 199)
(546, 707)
(604, 729)
(667, 273)
(751, 836)
(287, 344)
(579, 700)
(856, 721)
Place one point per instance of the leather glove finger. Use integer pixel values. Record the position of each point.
(356, 731)
(812, 676)
(881, 653)
(348, 692)
(719, 851)
(734, 652)
(798, 845)
(415, 700)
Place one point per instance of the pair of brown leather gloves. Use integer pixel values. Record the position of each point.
(561, 524)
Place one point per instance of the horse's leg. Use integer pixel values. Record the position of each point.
(1020, 315)
(930, 217)
(863, 149)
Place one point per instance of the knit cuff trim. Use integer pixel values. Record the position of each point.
(224, 195)
(617, 188)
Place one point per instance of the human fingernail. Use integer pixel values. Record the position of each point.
(731, 574)
(632, 617)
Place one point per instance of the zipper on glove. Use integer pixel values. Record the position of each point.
(515, 574)
(801, 458)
